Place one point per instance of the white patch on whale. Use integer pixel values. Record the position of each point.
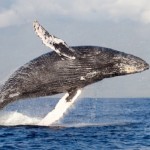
(91, 74)
(82, 78)
(14, 95)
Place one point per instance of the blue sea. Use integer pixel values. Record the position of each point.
(91, 124)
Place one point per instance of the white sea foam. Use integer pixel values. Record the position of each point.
(16, 118)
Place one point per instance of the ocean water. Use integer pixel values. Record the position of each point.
(91, 124)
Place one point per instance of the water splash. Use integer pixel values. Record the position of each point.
(16, 118)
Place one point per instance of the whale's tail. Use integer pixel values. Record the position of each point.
(3, 101)
(1, 85)
(1, 95)
(5, 97)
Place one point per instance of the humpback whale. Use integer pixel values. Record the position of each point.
(66, 69)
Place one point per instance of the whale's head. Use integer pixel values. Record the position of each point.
(115, 63)
(128, 64)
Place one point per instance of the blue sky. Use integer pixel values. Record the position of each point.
(119, 24)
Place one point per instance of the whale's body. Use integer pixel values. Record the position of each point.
(64, 71)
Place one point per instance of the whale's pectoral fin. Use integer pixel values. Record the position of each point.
(56, 44)
(71, 95)
(61, 107)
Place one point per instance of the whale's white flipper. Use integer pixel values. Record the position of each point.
(56, 44)
(59, 110)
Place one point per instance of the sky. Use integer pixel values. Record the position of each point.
(123, 25)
